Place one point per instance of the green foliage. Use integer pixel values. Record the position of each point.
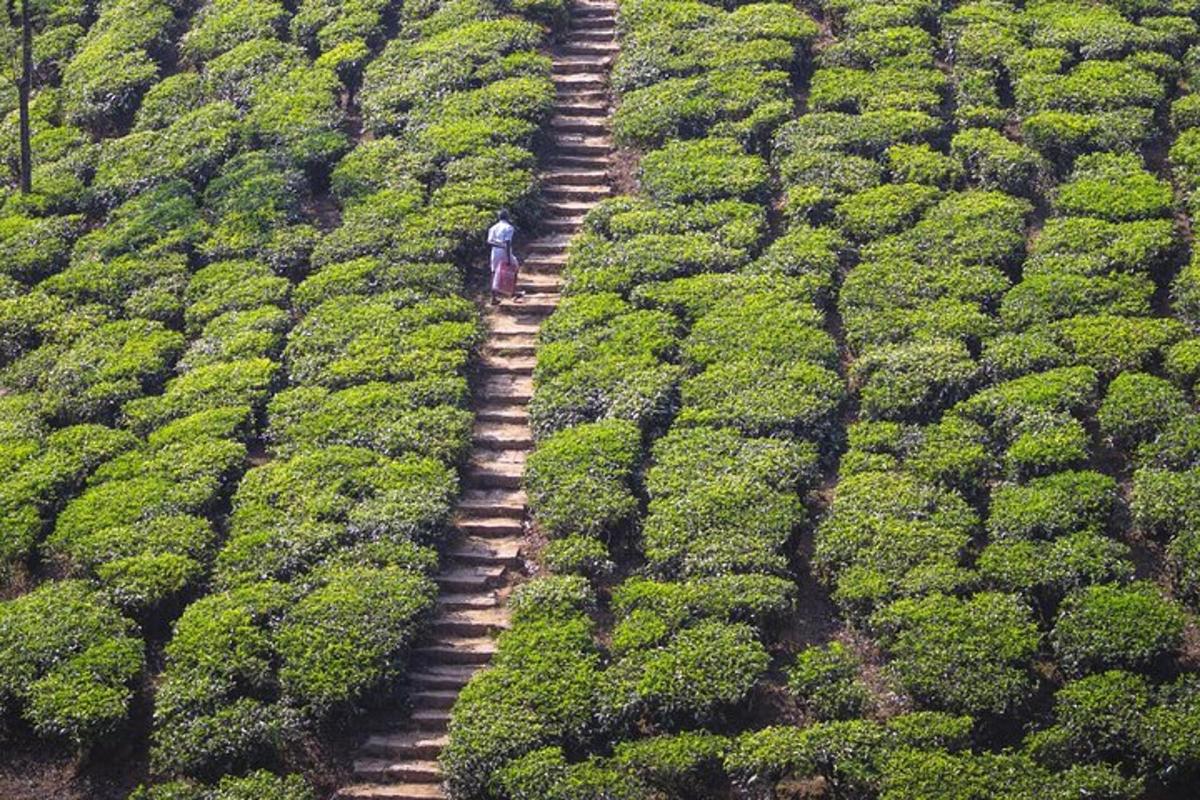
(826, 681)
(1137, 407)
(1096, 718)
(971, 656)
(1111, 626)
(426, 417)
(888, 535)
(674, 763)
(693, 676)
(580, 480)
(67, 662)
(991, 161)
(1114, 188)
(542, 687)
(707, 169)
(1052, 506)
(914, 381)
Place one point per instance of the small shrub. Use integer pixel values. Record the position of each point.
(580, 479)
(826, 681)
(1110, 626)
(1137, 407)
(971, 656)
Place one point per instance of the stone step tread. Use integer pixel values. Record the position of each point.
(407, 741)
(508, 326)
(536, 305)
(479, 548)
(495, 527)
(484, 572)
(496, 617)
(444, 672)
(509, 412)
(475, 501)
(592, 176)
(576, 139)
(393, 791)
(433, 698)
(487, 430)
(458, 600)
(479, 576)
(598, 124)
(431, 719)
(505, 385)
(497, 455)
(572, 206)
(409, 770)
(599, 63)
(478, 644)
(540, 281)
(576, 189)
(597, 108)
(507, 364)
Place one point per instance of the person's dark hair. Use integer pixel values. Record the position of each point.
(503, 215)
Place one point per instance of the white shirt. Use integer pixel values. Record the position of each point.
(500, 235)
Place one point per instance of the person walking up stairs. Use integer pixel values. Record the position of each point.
(479, 567)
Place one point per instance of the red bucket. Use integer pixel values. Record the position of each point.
(504, 281)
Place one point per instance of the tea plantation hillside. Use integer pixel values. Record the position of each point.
(843, 444)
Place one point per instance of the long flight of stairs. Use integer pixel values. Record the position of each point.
(400, 763)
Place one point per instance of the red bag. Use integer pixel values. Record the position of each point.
(504, 280)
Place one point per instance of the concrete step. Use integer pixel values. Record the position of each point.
(470, 579)
(548, 259)
(596, 30)
(539, 282)
(500, 434)
(433, 698)
(543, 264)
(481, 503)
(405, 745)
(592, 11)
(502, 412)
(483, 622)
(582, 108)
(515, 365)
(487, 552)
(591, 65)
(589, 47)
(392, 791)
(561, 178)
(498, 455)
(496, 475)
(564, 196)
(570, 94)
(597, 187)
(513, 388)
(445, 676)
(460, 650)
(496, 527)
(454, 601)
(539, 306)
(592, 161)
(570, 208)
(430, 719)
(571, 83)
(568, 123)
(511, 331)
(567, 225)
(581, 144)
(514, 347)
(543, 244)
(405, 771)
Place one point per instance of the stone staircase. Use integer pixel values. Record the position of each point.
(480, 565)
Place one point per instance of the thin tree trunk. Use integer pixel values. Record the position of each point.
(23, 92)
